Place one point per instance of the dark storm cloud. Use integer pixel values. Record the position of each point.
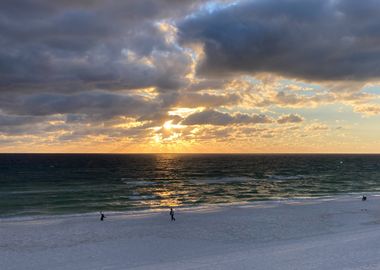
(314, 39)
(211, 117)
(69, 58)
(85, 43)
(16, 120)
(97, 104)
(110, 133)
(25, 124)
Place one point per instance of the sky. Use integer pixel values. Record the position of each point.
(167, 76)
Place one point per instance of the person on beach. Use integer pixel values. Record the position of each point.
(364, 198)
(172, 214)
(102, 216)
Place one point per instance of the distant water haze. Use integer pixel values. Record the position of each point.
(66, 184)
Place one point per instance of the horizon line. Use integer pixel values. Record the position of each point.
(189, 153)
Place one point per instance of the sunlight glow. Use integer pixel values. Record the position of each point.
(168, 125)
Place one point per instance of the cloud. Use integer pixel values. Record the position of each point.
(18, 125)
(212, 117)
(313, 40)
(290, 118)
(317, 127)
(191, 100)
(290, 99)
(84, 72)
(97, 104)
(310, 100)
(14, 120)
(369, 110)
(76, 44)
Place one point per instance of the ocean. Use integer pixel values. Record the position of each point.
(50, 184)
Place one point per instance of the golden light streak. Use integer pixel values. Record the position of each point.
(184, 112)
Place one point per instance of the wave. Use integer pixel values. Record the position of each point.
(222, 180)
(141, 197)
(291, 177)
(137, 182)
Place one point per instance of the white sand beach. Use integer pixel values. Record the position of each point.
(342, 233)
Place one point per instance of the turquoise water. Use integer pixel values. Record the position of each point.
(60, 184)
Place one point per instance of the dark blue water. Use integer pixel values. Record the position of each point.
(60, 183)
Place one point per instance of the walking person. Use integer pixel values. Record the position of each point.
(172, 214)
(102, 216)
(364, 198)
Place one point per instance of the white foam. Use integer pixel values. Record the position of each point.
(221, 180)
(130, 182)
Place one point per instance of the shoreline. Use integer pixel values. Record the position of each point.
(189, 208)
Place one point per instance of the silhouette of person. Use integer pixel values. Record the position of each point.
(364, 198)
(102, 216)
(172, 214)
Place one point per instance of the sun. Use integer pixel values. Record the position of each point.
(168, 125)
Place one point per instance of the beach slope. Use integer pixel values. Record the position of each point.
(342, 233)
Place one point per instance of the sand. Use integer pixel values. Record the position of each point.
(340, 233)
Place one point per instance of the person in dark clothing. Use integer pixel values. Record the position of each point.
(102, 216)
(364, 198)
(172, 214)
